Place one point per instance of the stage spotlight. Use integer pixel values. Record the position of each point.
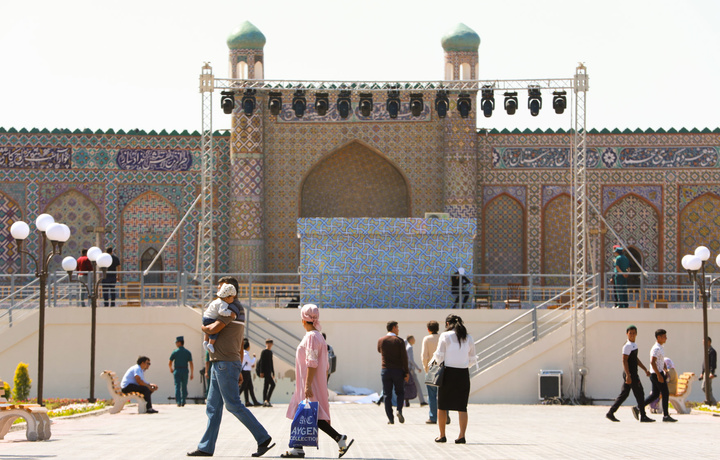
(441, 103)
(322, 103)
(227, 101)
(344, 105)
(248, 101)
(416, 104)
(299, 103)
(534, 100)
(393, 103)
(511, 102)
(488, 101)
(464, 105)
(559, 101)
(365, 104)
(275, 102)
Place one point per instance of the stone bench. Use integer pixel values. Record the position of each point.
(684, 386)
(35, 416)
(120, 398)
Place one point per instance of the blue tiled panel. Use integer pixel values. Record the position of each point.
(382, 263)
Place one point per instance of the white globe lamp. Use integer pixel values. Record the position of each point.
(19, 230)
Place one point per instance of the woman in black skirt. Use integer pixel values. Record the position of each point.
(456, 348)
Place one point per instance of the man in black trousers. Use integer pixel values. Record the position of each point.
(266, 370)
(631, 380)
(394, 369)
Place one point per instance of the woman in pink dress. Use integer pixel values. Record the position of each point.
(311, 364)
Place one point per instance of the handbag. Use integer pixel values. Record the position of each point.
(304, 428)
(434, 376)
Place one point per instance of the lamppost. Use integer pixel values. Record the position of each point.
(58, 234)
(98, 259)
(693, 263)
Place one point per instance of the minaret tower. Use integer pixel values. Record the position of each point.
(461, 63)
(247, 244)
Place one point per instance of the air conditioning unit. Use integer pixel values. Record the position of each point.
(437, 215)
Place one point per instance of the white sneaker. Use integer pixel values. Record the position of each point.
(205, 345)
(211, 348)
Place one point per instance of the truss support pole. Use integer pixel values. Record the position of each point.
(581, 288)
(205, 258)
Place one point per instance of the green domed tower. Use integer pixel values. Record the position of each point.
(461, 53)
(246, 44)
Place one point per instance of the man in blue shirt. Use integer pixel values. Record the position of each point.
(134, 382)
(621, 267)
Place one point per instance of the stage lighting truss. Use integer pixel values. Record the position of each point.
(511, 102)
(322, 103)
(299, 103)
(393, 103)
(442, 103)
(275, 102)
(366, 104)
(559, 101)
(534, 100)
(487, 104)
(344, 104)
(464, 105)
(416, 104)
(227, 101)
(248, 101)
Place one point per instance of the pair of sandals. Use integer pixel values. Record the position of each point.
(299, 453)
(457, 441)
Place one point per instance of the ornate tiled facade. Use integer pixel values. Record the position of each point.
(660, 190)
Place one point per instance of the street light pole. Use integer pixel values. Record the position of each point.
(693, 264)
(102, 260)
(58, 234)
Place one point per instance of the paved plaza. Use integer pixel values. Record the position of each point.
(495, 432)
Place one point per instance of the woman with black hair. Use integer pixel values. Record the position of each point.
(456, 348)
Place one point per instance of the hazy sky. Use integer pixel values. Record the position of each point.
(135, 64)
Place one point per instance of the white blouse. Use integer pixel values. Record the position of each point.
(453, 353)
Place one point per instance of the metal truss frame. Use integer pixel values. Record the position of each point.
(577, 86)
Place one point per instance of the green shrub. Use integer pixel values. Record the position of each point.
(6, 387)
(21, 383)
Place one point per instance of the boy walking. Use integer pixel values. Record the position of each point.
(631, 380)
(658, 375)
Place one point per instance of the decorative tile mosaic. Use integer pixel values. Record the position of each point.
(652, 193)
(346, 262)
(516, 191)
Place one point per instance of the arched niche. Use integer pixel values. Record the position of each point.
(354, 181)
(504, 238)
(699, 225)
(10, 212)
(78, 212)
(147, 222)
(637, 222)
(557, 240)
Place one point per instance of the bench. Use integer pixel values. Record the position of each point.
(120, 398)
(682, 392)
(35, 416)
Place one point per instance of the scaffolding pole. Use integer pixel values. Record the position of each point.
(204, 267)
(580, 253)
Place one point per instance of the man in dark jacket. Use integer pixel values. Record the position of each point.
(712, 364)
(266, 370)
(394, 369)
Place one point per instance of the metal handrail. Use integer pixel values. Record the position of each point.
(549, 321)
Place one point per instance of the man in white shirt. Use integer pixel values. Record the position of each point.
(658, 374)
(134, 382)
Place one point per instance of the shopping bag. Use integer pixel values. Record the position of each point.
(304, 428)
(434, 376)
